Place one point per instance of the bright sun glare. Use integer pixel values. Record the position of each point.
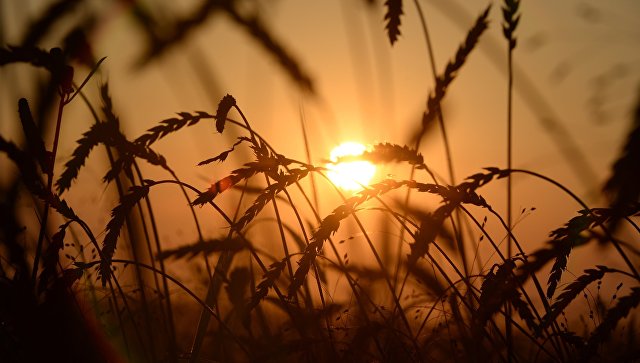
(349, 175)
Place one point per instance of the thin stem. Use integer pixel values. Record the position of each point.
(185, 289)
(252, 250)
(195, 220)
(457, 232)
(508, 321)
(165, 286)
(534, 278)
(614, 242)
(509, 150)
(307, 150)
(133, 241)
(452, 264)
(51, 161)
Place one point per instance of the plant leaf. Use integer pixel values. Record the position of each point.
(254, 26)
(32, 134)
(207, 247)
(39, 28)
(223, 155)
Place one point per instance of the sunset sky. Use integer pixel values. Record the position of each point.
(576, 65)
(252, 242)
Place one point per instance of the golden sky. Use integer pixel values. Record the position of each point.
(576, 67)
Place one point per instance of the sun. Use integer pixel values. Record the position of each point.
(350, 175)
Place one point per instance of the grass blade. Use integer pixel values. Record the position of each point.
(207, 247)
(35, 143)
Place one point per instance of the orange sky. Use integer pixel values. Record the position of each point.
(371, 92)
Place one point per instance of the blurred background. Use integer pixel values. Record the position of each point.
(310, 75)
(575, 83)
